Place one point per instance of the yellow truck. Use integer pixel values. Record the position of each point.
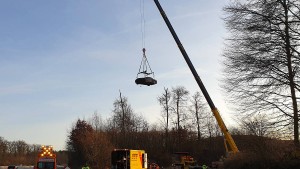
(128, 159)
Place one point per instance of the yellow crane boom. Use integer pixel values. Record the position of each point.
(215, 111)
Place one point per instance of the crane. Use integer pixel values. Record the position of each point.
(227, 135)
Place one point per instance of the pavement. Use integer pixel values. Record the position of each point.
(19, 167)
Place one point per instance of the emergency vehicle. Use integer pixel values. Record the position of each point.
(46, 158)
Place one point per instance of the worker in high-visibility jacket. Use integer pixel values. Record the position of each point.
(85, 167)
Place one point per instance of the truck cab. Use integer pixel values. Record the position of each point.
(46, 158)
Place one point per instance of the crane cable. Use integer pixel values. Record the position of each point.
(143, 33)
(144, 63)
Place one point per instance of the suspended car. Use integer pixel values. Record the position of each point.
(146, 81)
(145, 76)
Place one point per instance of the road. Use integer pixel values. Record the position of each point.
(19, 167)
(30, 167)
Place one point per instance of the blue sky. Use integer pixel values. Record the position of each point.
(64, 59)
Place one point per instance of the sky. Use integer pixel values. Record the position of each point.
(61, 60)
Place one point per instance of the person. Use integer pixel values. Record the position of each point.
(85, 167)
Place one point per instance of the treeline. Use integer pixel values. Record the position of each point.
(181, 128)
(90, 145)
(17, 152)
(186, 125)
(21, 153)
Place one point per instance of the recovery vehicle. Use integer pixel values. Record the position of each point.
(182, 160)
(128, 159)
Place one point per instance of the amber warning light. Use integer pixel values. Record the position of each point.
(46, 151)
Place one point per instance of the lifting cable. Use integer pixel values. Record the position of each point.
(143, 23)
(145, 75)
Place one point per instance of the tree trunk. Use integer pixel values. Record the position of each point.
(291, 76)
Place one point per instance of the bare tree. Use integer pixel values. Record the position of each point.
(179, 101)
(125, 125)
(3, 149)
(123, 117)
(211, 127)
(262, 60)
(258, 125)
(140, 124)
(96, 122)
(165, 102)
(199, 111)
(99, 148)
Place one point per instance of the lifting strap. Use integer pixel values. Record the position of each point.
(145, 66)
